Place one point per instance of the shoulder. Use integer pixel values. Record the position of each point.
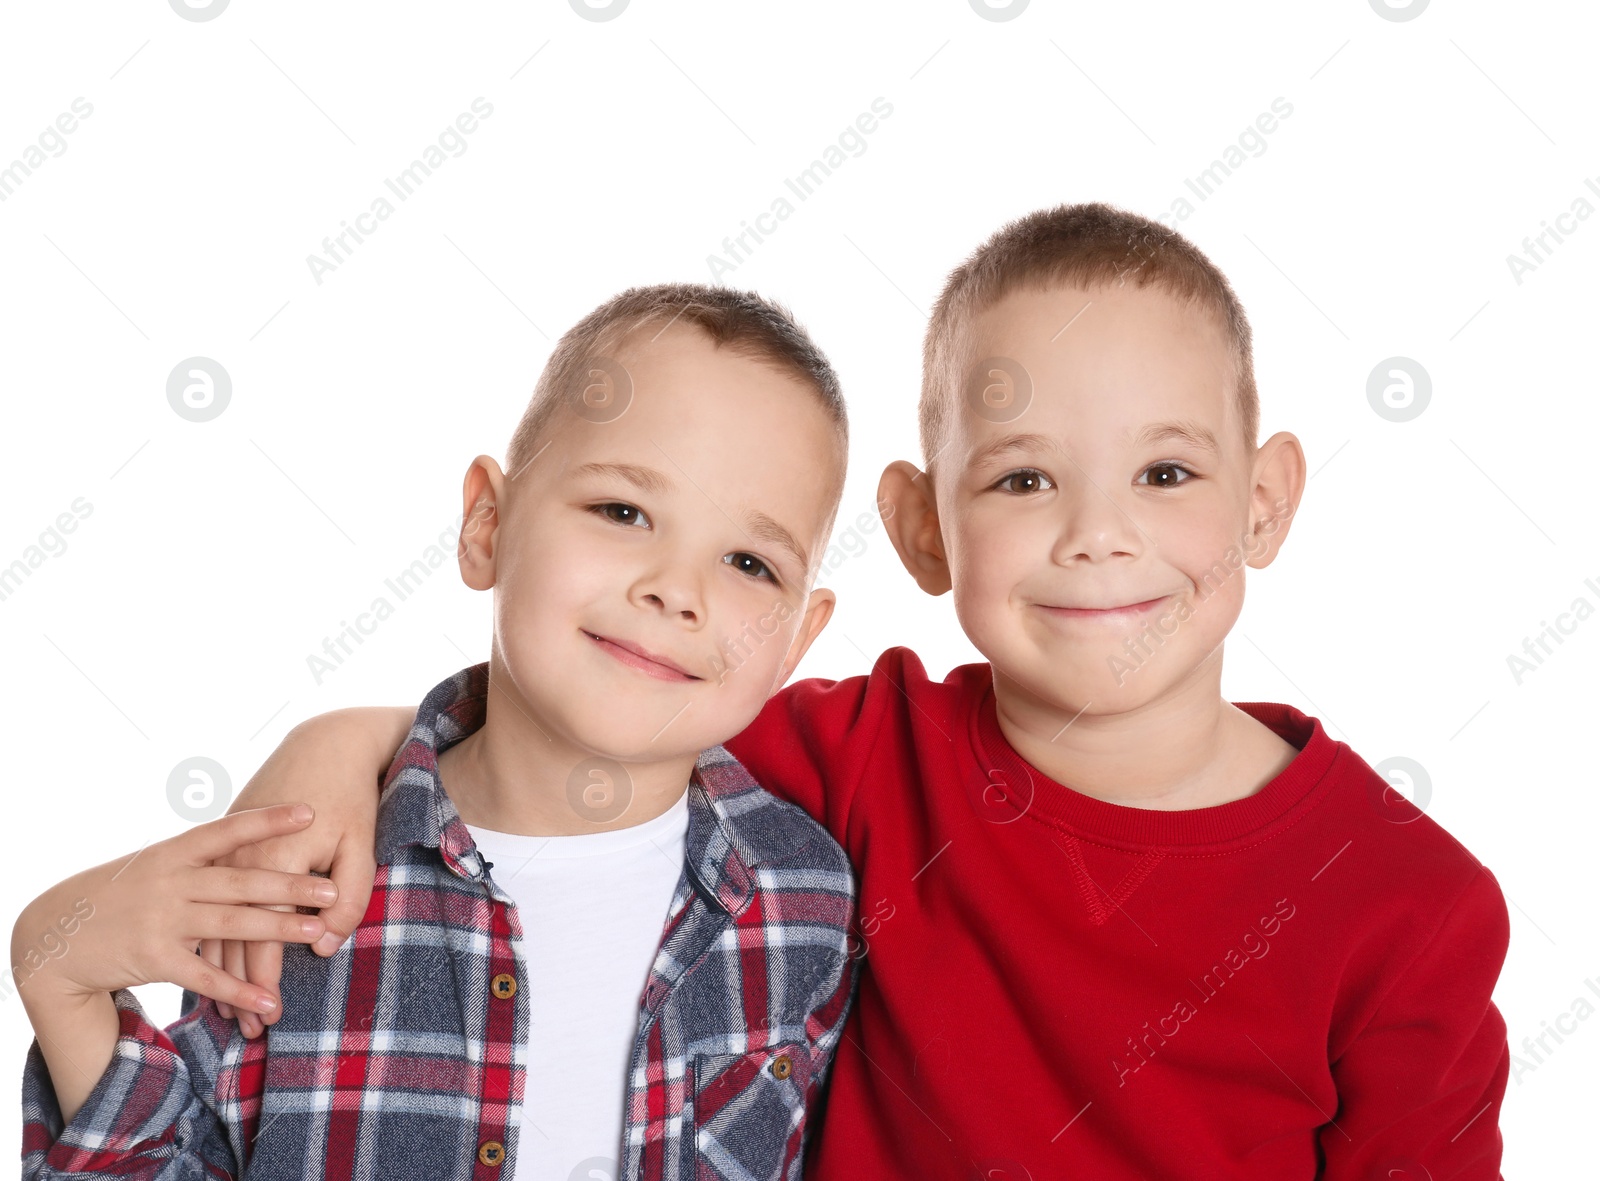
(770, 834)
(1410, 872)
(897, 684)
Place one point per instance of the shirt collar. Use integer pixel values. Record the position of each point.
(731, 830)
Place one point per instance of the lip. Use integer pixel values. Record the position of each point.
(1132, 611)
(652, 664)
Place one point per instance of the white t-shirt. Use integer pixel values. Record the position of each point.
(592, 909)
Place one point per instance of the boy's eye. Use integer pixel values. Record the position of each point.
(751, 565)
(1025, 481)
(621, 513)
(1166, 475)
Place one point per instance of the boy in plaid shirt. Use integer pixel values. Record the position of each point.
(654, 976)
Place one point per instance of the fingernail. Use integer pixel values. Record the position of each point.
(300, 813)
(324, 891)
(310, 926)
(266, 1004)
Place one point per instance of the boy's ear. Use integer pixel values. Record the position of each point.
(911, 518)
(818, 610)
(1279, 476)
(481, 497)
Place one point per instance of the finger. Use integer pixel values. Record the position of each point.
(217, 838)
(213, 921)
(353, 869)
(256, 856)
(263, 967)
(233, 965)
(211, 951)
(261, 887)
(191, 972)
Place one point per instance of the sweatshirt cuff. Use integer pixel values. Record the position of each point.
(133, 1110)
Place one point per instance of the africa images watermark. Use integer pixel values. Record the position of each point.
(1536, 1048)
(50, 143)
(738, 248)
(51, 543)
(1252, 140)
(1139, 649)
(337, 648)
(49, 944)
(1536, 648)
(1538, 248)
(337, 249)
(1143, 1045)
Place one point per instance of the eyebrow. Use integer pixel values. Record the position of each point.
(1008, 444)
(764, 528)
(1191, 433)
(644, 478)
(758, 525)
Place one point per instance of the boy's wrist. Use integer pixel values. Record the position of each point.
(77, 1037)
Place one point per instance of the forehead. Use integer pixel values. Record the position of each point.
(1102, 362)
(734, 429)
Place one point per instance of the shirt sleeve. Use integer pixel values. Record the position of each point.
(831, 1004)
(1420, 1087)
(151, 1114)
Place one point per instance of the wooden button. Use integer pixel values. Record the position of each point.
(504, 986)
(782, 1067)
(492, 1152)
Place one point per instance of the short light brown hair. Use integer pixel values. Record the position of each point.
(740, 321)
(1079, 246)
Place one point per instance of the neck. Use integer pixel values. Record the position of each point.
(1187, 748)
(514, 775)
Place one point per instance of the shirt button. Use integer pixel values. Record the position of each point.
(492, 1152)
(504, 986)
(782, 1067)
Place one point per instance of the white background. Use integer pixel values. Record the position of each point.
(217, 556)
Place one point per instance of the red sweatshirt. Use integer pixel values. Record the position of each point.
(1291, 985)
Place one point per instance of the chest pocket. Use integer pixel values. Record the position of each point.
(748, 1110)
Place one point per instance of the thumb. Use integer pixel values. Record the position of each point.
(353, 868)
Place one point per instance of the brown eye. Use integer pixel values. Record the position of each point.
(1026, 481)
(622, 514)
(751, 565)
(1167, 475)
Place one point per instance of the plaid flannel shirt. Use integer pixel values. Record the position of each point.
(403, 1055)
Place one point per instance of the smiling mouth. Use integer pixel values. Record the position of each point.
(1106, 614)
(639, 658)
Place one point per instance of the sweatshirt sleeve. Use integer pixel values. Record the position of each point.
(151, 1114)
(812, 741)
(1420, 1086)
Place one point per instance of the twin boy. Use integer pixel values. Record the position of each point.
(641, 911)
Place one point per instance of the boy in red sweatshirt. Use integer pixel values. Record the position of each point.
(1112, 925)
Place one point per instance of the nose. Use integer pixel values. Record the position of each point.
(1096, 528)
(671, 588)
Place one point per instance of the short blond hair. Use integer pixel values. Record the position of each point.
(1085, 245)
(741, 321)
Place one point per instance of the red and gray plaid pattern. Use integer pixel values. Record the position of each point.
(402, 1056)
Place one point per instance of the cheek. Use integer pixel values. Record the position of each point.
(1213, 561)
(753, 629)
(547, 580)
(990, 552)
